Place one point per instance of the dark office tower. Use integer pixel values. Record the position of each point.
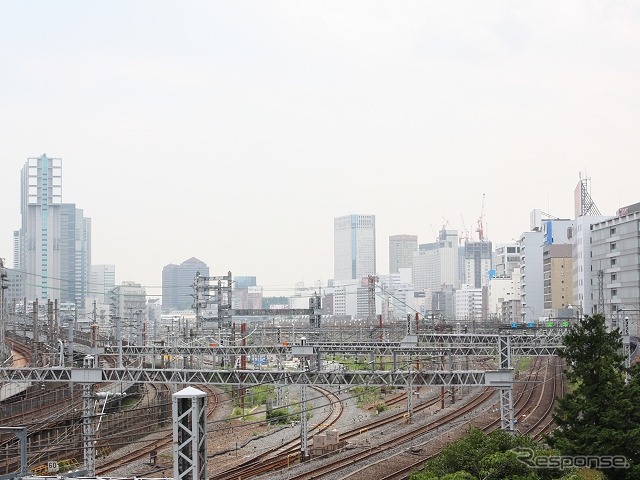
(177, 283)
(478, 257)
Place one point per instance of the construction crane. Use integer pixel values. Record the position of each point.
(465, 233)
(480, 228)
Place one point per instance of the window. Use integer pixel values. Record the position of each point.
(612, 246)
(614, 292)
(614, 277)
(612, 231)
(613, 262)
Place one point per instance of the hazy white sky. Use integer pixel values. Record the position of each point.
(235, 131)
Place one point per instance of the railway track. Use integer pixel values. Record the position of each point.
(400, 464)
(278, 457)
(288, 454)
(52, 413)
(545, 423)
(524, 396)
(394, 400)
(385, 447)
(146, 447)
(282, 457)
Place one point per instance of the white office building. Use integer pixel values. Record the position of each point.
(585, 290)
(401, 250)
(436, 264)
(468, 304)
(128, 310)
(103, 279)
(543, 232)
(507, 259)
(504, 289)
(616, 264)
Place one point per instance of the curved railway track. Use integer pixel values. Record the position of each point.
(400, 465)
(386, 446)
(289, 452)
(545, 423)
(145, 447)
(287, 455)
(290, 457)
(527, 402)
(52, 413)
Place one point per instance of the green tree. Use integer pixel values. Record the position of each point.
(600, 416)
(487, 457)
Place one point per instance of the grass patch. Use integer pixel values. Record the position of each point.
(366, 395)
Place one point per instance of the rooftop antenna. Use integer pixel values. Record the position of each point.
(583, 198)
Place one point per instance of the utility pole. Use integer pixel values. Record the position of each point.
(601, 292)
(223, 298)
(56, 319)
(196, 297)
(50, 333)
(371, 298)
(304, 426)
(36, 333)
(410, 393)
(3, 301)
(626, 346)
(506, 391)
(315, 318)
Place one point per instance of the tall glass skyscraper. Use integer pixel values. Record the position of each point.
(53, 245)
(354, 246)
(41, 198)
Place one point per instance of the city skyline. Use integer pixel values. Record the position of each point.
(349, 219)
(236, 134)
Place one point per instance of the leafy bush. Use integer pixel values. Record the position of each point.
(279, 416)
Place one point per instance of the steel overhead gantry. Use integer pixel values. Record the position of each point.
(314, 312)
(21, 433)
(477, 378)
(459, 345)
(403, 373)
(501, 346)
(222, 285)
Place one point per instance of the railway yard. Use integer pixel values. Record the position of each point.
(383, 437)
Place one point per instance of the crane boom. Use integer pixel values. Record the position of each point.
(480, 228)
